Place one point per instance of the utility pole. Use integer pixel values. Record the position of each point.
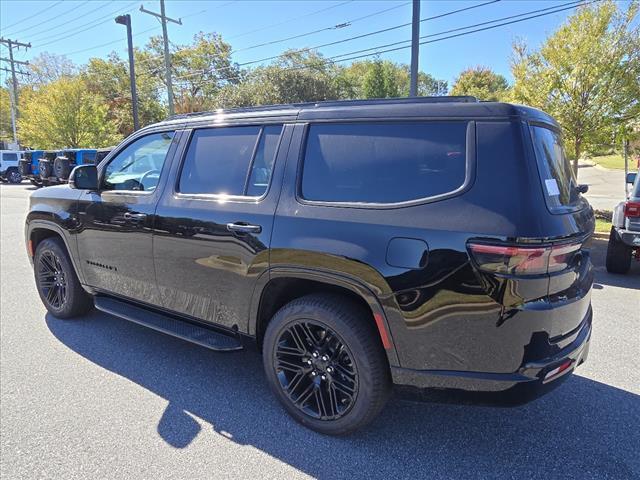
(167, 59)
(14, 82)
(126, 20)
(415, 48)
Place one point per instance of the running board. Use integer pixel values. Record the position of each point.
(190, 332)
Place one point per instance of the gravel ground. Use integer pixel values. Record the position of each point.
(103, 398)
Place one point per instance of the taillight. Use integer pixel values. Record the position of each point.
(520, 260)
(632, 209)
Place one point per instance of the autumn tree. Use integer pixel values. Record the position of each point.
(586, 74)
(481, 82)
(65, 113)
(109, 79)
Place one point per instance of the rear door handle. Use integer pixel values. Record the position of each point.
(136, 217)
(243, 228)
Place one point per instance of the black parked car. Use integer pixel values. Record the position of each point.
(431, 242)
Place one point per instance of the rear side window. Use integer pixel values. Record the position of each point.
(10, 157)
(558, 181)
(383, 162)
(234, 161)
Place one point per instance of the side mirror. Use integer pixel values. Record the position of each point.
(583, 188)
(631, 177)
(84, 177)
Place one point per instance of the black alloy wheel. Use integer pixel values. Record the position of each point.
(316, 370)
(51, 280)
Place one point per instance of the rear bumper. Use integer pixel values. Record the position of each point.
(629, 237)
(530, 381)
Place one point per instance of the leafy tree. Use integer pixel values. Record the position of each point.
(199, 70)
(481, 82)
(586, 74)
(375, 81)
(109, 79)
(49, 67)
(6, 133)
(65, 114)
(294, 77)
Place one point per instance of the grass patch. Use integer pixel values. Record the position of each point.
(615, 161)
(602, 225)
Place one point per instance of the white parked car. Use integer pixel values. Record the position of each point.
(9, 166)
(624, 240)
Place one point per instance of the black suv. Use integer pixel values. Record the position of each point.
(430, 242)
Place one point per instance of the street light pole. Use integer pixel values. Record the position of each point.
(415, 48)
(126, 20)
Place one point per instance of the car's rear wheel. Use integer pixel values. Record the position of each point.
(57, 282)
(618, 254)
(324, 361)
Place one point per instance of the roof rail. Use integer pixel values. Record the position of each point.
(331, 103)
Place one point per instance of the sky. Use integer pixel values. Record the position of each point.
(85, 29)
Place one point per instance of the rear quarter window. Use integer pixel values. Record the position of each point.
(557, 177)
(383, 163)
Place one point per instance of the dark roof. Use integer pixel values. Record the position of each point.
(446, 107)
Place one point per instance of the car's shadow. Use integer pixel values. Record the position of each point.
(584, 429)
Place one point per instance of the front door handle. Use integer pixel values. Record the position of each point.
(243, 228)
(136, 217)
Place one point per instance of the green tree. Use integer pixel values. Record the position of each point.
(481, 82)
(200, 70)
(294, 77)
(109, 79)
(375, 83)
(65, 114)
(49, 67)
(6, 133)
(585, 74)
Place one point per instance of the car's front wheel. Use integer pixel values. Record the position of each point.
(13, 176)
(57, 282)
(325, 363)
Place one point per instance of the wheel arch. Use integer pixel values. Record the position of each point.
(39, 230)
(279, 286)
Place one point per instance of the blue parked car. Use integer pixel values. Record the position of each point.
(28, 166)
(68, 159)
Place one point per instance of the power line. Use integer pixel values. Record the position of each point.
(11, 44)
(266, 27)
(82, 17)
(352, 55)
(29, 17)
(94, 23)
(368, 34)
(346, 23)
(50, 19)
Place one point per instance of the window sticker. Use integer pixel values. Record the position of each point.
(552, 187)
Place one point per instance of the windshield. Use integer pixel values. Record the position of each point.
(558, 181)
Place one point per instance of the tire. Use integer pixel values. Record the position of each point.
(61, 168)
(326, 375)
(24, 167)
(618, 254)
(13, 176)
(45, 168)
(57, 282)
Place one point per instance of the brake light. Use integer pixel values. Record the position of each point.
(632, 209)
(520, 260)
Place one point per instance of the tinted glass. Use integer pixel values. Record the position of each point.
(10, 157)
(558, 180)
(383, 163)
(89, 157)
(219, 161)
(138, 166)
(263, 161)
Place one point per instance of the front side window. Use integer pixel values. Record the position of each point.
(383, 162)
(558, 180)
(138, 166)
(230, 161)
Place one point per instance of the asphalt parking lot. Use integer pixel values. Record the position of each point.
(103, 398)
